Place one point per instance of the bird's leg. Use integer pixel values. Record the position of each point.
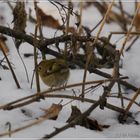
(51, 88)
(64, 85)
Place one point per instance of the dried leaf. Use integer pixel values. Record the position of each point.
(53, 111)
(20, 18)
(86, 122)
(94, 125)
(75, 112)
(137, 22)
(48, 20)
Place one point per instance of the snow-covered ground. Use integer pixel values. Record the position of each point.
(9, 91)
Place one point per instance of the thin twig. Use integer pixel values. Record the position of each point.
(123, 15)
(35, 63)
(96, 26)
(126, 98)
(93, 44)
(126, 13)
(115, 75)
(74, 121)
(32, 80)
(132, 43)
(129, 31)
(80, 18)
(11, 69)
(49, 91)
(10, 5)
(132, 100)
(67, 26)
(35, 51)
(43, 43)
(26, 72)
(35, 122)
(120, 95)
(63, 6)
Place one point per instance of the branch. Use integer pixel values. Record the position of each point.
(73, 122)
(42, 46)
(32, 98)
(16, 34)
(77, 120)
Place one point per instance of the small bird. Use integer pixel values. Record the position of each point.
(54, 72)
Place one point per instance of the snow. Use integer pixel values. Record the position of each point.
(9, 91)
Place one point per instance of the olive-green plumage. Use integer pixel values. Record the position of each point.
(54, 72)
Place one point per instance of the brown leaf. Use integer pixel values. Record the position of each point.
(94, 125)
(137, 22)
(53, 111)
(75, 112)
(49, 21)
(85, 122)
(20, 17)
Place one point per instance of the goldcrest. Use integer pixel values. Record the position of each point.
(54, 72)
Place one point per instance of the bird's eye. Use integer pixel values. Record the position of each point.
(39, 68)
(50, 69)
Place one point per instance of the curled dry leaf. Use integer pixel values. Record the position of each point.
(53, 111)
